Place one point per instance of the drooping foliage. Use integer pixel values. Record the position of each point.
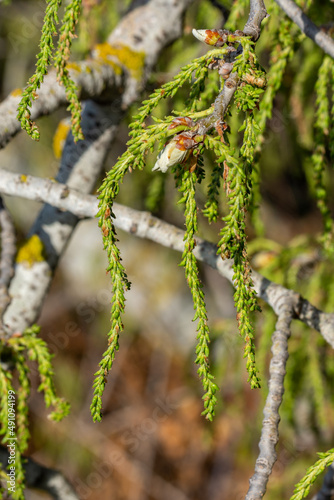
(224, 164)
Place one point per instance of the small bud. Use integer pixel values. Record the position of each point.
(200, 35)
(211, 37)
(169, 156)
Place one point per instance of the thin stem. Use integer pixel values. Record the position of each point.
(257, 13)
(307, 26)
(269, 436)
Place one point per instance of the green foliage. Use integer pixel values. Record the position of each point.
(331, 130)
(233, 178)
(322, 127)
(15, 352)
(109, 190)
(187, 187)
(237, 12)
(299, 266)
(232, 245)
(60, 58)
(8, 431)
(281, 54)
(247, 97)
(143, 139)
(211, 209)
(188, 145)
(169, 89)
(155, 193)
(37, 350)
(70, 20)
(303, 487)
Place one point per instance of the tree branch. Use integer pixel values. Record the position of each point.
(143, 33)
(269, 435)
(43, 478)
(325, 42)
(257, 13)
(144, 225)
(8, 251)
(252, 28)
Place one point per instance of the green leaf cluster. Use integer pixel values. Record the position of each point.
(322, 129)
(187, 187)
(302, 489)
(229, 171)
(14, 353)
(60, 58)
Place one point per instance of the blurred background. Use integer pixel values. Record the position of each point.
(153, 442)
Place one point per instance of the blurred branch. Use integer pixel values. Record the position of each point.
(142, 33)
(269, 436)
(37, 476)
(224, 10)
(325, 42)
(144, 225)
(327, 490)
(7, 255)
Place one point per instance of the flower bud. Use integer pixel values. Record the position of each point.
(169, 156)
(216, 38)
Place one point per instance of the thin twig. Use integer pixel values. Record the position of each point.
(325, 42)
(7, 254)
(144, 225)
(257, 13)
(269, 435)
(221, 104)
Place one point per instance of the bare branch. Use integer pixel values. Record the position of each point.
(47, 191)
(221, 104)
(325, 42)
(37, 476)
(269, 436)
(144, 225)
(8, 250)
(256, 15)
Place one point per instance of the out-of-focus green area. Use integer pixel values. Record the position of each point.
(152, 442)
